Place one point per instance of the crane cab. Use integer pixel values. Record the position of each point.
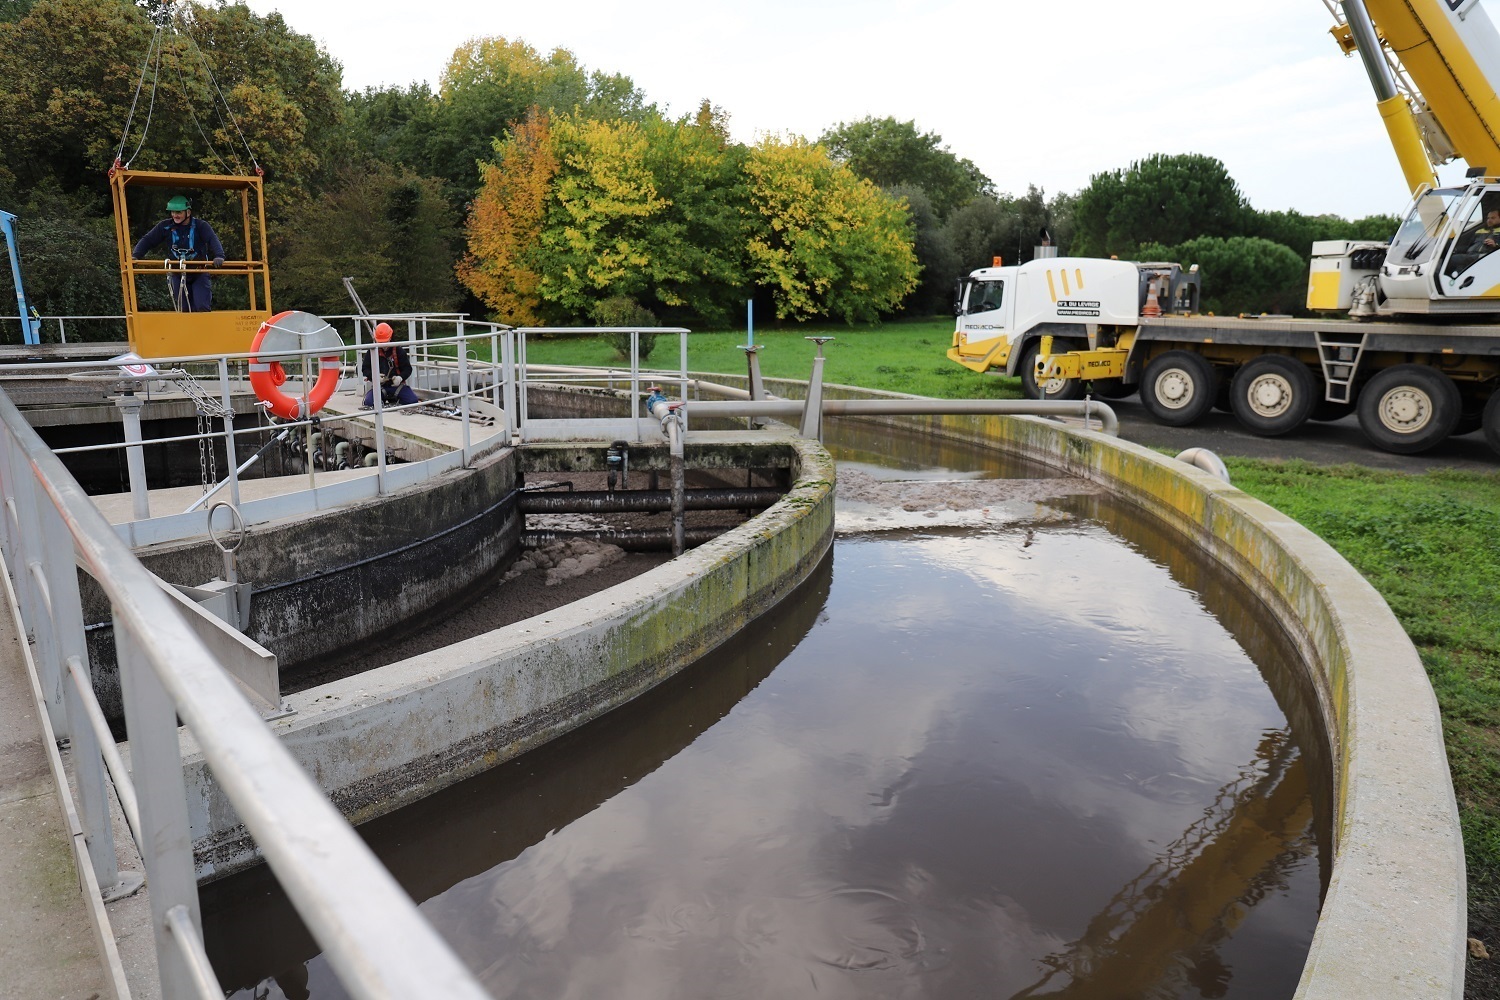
(242, 287)
(1446, 255)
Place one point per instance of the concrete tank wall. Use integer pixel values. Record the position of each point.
(1394, 921)
(390, 736)
(331, 580)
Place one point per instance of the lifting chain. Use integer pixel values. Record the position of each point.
(208, 408)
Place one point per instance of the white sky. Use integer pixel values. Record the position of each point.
(1033, 92)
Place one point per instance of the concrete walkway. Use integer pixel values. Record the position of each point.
(47, 946)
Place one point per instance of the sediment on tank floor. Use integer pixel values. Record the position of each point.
(539, 580)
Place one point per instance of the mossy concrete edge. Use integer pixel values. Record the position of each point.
(386, 738)
(1394, 920)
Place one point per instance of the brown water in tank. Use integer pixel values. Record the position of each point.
(1013, 739)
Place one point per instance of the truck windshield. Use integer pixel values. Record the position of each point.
(1419, 236)
(984, 296)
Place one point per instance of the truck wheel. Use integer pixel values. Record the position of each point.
(1273, 395)
(1053, 389)
(1492, 422)
(1179, 388)
(1326, 412)
(1113, 388)
(1471, 418)
(1409, 408)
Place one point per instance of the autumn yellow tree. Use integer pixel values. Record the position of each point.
(505, 223)
(828, 243)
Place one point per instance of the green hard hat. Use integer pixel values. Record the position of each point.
(178, 203)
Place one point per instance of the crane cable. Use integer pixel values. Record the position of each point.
(130, 118)
(203, 61)
(156, 45)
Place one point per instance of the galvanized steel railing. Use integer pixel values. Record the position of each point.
(375, 939)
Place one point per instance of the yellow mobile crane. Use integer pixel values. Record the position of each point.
(1419, 360)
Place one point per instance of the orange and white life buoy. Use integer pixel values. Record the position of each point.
(289, 331)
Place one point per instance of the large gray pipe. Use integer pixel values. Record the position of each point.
(671, 424)
(792, 408)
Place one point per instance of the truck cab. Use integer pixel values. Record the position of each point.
(985, 318)
(1004, 312)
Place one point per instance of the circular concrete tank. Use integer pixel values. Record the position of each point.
(1395, 846)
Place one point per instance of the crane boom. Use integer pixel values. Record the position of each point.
(1435, 66)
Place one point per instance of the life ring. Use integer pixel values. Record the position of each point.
(284, 333)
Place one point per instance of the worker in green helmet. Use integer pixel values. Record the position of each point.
(187, 239)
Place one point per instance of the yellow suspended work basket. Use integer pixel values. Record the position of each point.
(161, 334)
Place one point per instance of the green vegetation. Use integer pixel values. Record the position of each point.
(1424, 542)
(529, 188)
(896, 357)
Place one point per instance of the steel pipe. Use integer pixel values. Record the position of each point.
(377, 941)
(792, 408)
(644, 501)
(118, 774)
(194, 957)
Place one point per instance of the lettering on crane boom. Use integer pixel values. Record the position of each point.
(1077, 307)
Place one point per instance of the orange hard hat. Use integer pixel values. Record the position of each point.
(382, 332)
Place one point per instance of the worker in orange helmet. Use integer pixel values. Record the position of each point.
(395, 370)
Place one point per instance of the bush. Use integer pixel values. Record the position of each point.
(622, 310)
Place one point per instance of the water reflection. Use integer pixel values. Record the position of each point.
(1023, 761)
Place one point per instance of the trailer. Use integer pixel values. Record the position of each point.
(1412, 385)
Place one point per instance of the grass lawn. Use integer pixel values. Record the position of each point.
(900, 357)
(1425, 541)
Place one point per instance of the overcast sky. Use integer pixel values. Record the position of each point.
(1045, 93)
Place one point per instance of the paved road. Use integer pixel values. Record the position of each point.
(1320, 443)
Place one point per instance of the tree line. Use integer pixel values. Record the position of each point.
(532, 189)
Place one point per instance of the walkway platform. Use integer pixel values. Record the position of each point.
(47, 945)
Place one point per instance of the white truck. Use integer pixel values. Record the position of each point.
(1415, 352)
(1116, 327)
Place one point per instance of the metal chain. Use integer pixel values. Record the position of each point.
(203, 450)
(208, 408)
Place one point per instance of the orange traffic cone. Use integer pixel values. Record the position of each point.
(1152, 307)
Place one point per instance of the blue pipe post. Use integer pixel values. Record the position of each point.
(31, 324)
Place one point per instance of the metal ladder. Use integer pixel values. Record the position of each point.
(1338, 370)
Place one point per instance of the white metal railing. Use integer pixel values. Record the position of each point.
(375, 938)
(62, 323)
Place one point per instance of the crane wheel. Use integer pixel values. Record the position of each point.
(1409, 409)
(1179, 387)
(1112, 388)
(1273, 395)
(1053, 389)
(1492, 422)
(1325, 412)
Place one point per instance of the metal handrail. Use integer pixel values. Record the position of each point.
(375, 938)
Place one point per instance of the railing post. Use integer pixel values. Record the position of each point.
(635, 382)
(67, 627)
(166, 840)
(522, 411)
(377, 399)
(463, 390)
(508, 383)
(28, 561)
(229, 450)
(135, 456)
(682, 372)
